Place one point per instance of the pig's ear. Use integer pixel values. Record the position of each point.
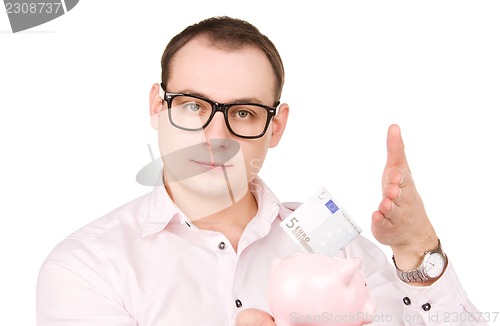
(346, 270)
(358, 262)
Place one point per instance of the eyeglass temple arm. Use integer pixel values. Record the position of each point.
(161, 92)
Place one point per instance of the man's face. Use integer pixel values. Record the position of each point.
(212, 162)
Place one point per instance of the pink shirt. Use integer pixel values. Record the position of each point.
(144, 264)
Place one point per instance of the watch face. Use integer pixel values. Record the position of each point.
(434, 265)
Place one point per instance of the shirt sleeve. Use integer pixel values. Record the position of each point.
(443, 303)
(75, 288)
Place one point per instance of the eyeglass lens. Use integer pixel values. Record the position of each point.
(193, 114)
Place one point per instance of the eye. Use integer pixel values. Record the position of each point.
(242, 114)
(193, 107)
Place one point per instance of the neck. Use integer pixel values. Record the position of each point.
(221, 215)
(231, 221)
(238, 214)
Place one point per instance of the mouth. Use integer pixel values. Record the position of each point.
(196, 159)
(212, 165)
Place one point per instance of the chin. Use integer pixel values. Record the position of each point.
(215, 186)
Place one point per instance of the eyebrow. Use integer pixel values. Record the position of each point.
(239, 100)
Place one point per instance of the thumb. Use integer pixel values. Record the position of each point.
(254, 317)
(396, 156)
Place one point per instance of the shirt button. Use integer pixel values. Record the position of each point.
(406, 301)
(426, 306)
(222, 245)
(238, 303)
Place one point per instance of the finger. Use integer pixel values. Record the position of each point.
(392, 188)
(381, 227)
(392, 191)
(395, 148)
(386, 207)
(395, 176)
(254, 317)
(378, 217)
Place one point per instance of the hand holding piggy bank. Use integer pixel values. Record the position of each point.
(314, 289)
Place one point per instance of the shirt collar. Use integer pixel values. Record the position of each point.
(267, 202)
(162, 210)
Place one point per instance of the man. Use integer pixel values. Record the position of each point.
(198, 249)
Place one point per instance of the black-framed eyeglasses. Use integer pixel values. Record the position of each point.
(192, 112)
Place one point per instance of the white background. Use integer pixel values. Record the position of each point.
(74, 123)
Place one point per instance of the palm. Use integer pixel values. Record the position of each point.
(401, 218)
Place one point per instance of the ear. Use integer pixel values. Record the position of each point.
(155, 104)
(278, 124)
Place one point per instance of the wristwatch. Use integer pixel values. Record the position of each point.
(433, 265)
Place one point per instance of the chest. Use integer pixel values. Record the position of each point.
(188, 278)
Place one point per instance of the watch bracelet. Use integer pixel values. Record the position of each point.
(412, 276)
(417, 275)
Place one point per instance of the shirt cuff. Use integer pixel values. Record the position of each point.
(445, 301)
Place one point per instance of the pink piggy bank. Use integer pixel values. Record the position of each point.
(314, 289)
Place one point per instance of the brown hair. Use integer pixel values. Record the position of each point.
(228, 33)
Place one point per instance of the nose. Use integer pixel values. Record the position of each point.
(217, 128)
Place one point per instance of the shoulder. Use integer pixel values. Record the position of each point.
(127, 218)
(103, 234)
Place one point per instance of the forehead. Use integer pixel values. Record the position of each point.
(222, 74)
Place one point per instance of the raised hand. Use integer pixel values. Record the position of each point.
(401, 221)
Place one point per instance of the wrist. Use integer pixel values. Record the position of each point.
(432, 265)
(411, 256)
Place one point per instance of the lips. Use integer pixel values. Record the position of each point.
(213, 165)
(190, 161)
